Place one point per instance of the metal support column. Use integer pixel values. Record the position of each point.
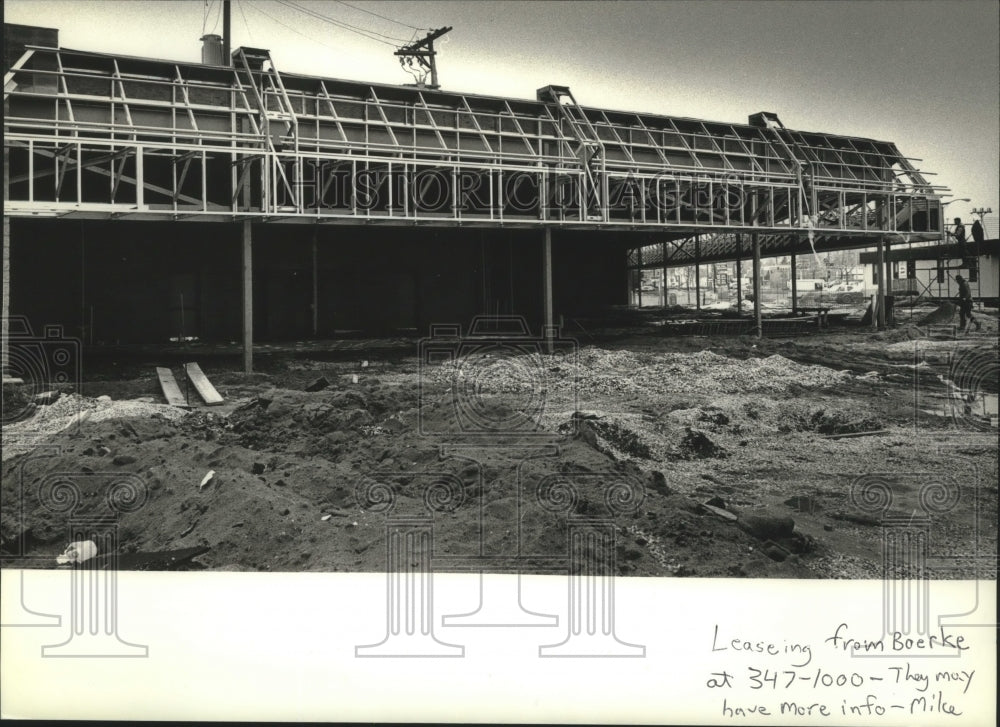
(756, 286)
(247, 239)
(639, 272)
(889, 311)
(697, 272)
(549, 325)
(663, 273)
(315, 284)
(880, 293)
(5, 322)
(739, 274)
(5, 333)
(795, 288)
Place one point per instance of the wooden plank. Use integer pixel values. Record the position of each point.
(171, 392)
(202, 384)
(724, 514)
(872, 433)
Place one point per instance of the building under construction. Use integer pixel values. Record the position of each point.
(147, 199)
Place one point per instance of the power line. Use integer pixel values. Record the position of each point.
(239, 4)
(355, 7)
(293, 29)
(218, 16)
(343, 23)
(370, 34)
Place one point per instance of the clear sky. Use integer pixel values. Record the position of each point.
(922, 73)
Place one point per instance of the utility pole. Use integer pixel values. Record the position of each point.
(227, 32)
(422, 51)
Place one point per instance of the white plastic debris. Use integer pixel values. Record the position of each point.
(354, 378)
(364, 364)
(326, 517)
(78, 552)
(206, 479)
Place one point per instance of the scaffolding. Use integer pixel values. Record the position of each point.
(91, 135)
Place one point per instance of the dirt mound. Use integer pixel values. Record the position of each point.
(833, 421)
(71, 411)
(944, 313)
(697, 444)
(602, 372)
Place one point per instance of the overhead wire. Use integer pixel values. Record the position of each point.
(291, 28)
(391, 20)
(218, 17)
(239, 4)
(370, 34)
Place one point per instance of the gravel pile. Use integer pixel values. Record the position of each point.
(705, 372)
(74, 410)
(615, 373)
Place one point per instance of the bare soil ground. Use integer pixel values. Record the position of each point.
(630, 427)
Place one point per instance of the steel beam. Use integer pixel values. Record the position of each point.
(697, 272)
(756, 286)
(795, 287)
(315, 285)
(247, 258)
(549, 323)
(879, 318)
(739, 275)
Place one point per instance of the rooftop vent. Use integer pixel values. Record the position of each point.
(211, 50)
(765, 120)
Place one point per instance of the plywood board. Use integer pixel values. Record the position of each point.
(171, 392)
(202, 385)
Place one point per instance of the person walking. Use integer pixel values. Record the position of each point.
(965, 304)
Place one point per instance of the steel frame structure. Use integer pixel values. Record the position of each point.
(90, 135)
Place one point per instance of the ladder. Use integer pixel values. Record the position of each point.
(796, 156)
(588, 151)
(275, 123)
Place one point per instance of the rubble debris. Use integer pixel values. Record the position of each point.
(803, 503)
(258, 468)
(79, 551)
(318, 384)
(774, 551)
(206, 479)
(858, 518)
(766, 527)
(161, 560)
(720, 512)
(847, 435)
(123, 459)
(658, 483)
(698, 444)
(47, 397)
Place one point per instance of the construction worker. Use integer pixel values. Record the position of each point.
(977, 235)
(959, 235)
(965, 303)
